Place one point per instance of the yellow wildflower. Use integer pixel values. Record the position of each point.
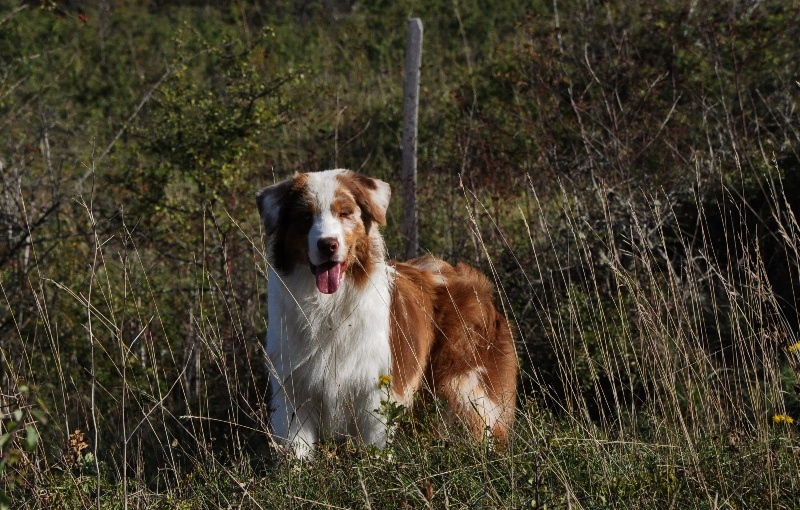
(782, 418)
(384, 380)
(795, 348)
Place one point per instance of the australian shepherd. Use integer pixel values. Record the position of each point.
(349, 329)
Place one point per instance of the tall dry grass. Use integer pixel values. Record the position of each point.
(658, 365)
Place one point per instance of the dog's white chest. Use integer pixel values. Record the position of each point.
(328, 352)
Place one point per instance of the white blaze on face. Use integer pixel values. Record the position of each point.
(325, 225)
(328, 268)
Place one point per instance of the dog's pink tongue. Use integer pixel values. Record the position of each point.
(329, 276)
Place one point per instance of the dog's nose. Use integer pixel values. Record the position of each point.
(327, 246)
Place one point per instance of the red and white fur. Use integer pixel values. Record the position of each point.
(342, 318)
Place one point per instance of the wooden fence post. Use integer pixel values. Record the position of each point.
(410, 115)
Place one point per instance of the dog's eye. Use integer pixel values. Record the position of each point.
(345, 214)
(306, 217)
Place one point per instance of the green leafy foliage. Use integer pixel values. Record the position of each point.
(19, 437)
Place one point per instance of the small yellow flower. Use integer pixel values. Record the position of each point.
(782, 418)
(795, 348)
(384, 381)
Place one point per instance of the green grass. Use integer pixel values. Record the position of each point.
(551, 463)
(640, 404)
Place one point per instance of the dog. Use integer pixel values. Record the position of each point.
(349, 329)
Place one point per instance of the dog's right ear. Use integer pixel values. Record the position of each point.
(270, 201)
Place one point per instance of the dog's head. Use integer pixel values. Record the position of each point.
(325, 221)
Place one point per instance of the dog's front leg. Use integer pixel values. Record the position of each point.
(370, 422)
(295, 427)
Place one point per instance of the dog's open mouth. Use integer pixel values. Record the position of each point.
(329, 276)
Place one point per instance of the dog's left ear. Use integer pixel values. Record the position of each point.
(270, 202)
(372, 196)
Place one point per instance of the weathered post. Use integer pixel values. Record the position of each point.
(410, 115)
